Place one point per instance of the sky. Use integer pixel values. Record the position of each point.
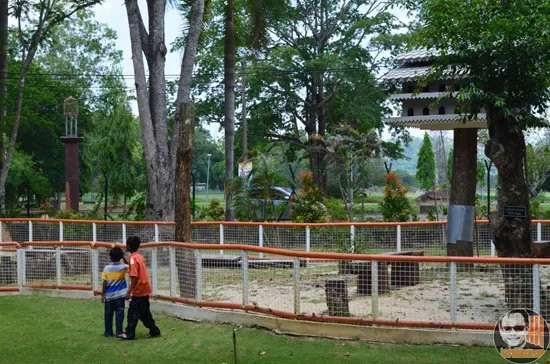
(113, 13)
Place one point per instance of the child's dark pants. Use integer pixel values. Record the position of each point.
(139, 310)
(116, 307)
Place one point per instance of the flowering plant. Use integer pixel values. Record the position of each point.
(46, 207)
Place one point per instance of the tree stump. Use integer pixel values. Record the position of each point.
(404, 274)
(336, 291)
(363, 269)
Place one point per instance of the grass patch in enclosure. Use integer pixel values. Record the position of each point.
(51, 330)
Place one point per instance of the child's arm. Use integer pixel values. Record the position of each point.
(133, 283)
(104, 288)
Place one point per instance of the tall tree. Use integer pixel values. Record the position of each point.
(348, 154)
(159, 144)
(229, 106)
(441, 150)
(115, 149)
(89, 63)
(35, 21)
(425, 167)
(481, 39)
(257, 11)
(319, 71)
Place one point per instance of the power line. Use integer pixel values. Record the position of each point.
(254, 70)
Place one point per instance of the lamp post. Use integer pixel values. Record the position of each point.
(71, 141)
(207, 175)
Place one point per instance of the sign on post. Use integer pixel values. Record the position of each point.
(515, 211)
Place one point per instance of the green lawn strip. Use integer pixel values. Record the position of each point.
(47, 330)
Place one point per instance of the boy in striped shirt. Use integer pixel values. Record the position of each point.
(114, 291)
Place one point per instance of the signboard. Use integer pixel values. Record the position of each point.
(244, 171)
(515, 211)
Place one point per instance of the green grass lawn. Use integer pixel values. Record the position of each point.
(51, 330)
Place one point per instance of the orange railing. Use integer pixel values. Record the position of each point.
(284, 286)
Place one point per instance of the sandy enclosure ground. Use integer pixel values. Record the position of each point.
(480, 293)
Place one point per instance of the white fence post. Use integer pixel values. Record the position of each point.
(20, 267)
(399, 238)
(221, 238)
(296, 285)
(245, 277)
(156, 233)
(94, 232)
(536, 288)
(308, 239)
(492, 248)
(154, 268)
(123, 233)
(374, 289)
(453, 292)
(58, 264)
(61, 231)
(198, 275)
(539, 232)
(95, 269)
(172, 251)
(2, 231)
(352, 238)
(30, 230)
(261, 242)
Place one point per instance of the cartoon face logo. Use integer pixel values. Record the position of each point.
(513, 328)
(521, 336)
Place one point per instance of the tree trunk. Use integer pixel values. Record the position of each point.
(511, 235)
(4, 30)
(186, 71)
(243, 99)
(3, 74)
(463, 182)
(317, 154)
(185, 259)
(229, 121)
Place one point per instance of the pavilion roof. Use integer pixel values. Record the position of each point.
(438, 122)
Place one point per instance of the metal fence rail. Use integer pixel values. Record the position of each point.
(382, 289)
(372, 238)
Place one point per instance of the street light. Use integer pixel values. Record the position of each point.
(207, 175)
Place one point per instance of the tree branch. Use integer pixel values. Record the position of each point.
(286, 138)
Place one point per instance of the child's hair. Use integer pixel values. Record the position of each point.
(133, 243)
(116, 254)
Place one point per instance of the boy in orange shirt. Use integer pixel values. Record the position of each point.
(139, 291)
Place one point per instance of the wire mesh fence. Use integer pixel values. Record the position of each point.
(386, 288)
(372, 238)
(8, 266)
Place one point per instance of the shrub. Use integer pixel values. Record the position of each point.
(214, 211)
(136, 207)
(536, 210)
(336, 210)
(395, 205)
(310, 206)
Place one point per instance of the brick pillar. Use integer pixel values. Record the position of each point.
(71, 172)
